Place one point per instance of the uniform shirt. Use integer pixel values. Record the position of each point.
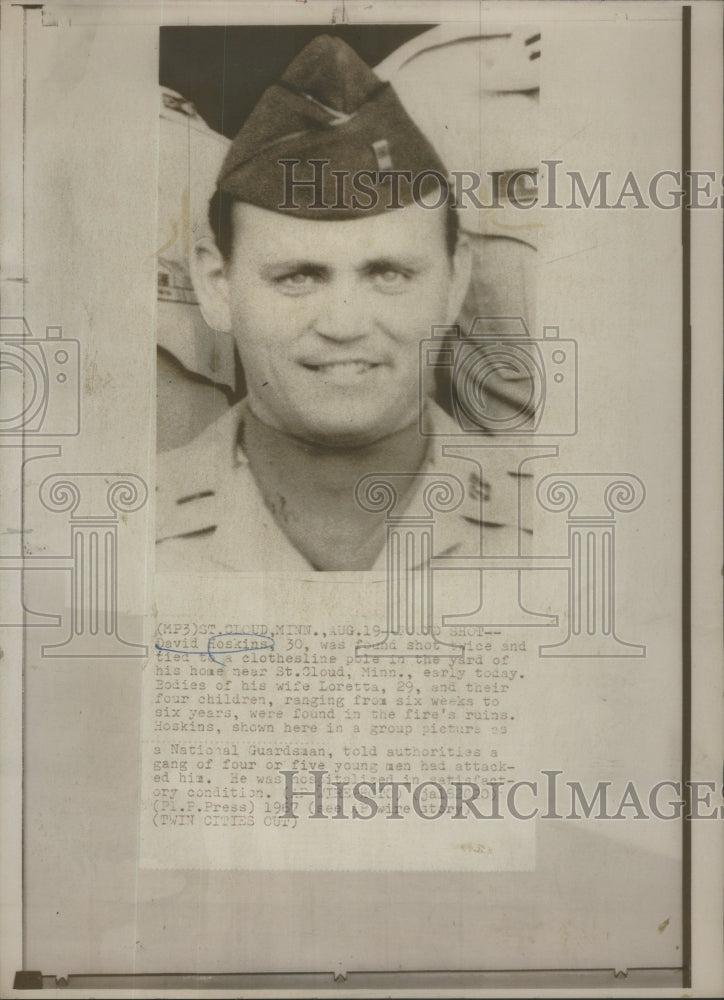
(211, 515)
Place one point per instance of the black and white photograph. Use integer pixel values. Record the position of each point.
(315, 329)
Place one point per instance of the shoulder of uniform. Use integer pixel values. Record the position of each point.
(188, 477)
(496, 492)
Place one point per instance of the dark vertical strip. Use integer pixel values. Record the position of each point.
(686, 486)
(24, 645)
(224, 66)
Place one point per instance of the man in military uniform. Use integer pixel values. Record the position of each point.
(328, 285)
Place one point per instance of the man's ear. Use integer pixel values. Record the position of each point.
(461, 268)
(211, 284)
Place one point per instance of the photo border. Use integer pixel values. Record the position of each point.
(29, 980)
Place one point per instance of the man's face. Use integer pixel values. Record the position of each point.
(328, 315)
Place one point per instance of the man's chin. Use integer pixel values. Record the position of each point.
(349, 435)
(345, 424)
(341, 440)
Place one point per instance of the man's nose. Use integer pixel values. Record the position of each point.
(341, 315)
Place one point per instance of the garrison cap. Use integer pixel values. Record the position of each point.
(322, 141)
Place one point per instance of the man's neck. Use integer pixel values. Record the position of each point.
(309, 489)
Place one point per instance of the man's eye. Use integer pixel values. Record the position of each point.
(297, 282)
(390, 278)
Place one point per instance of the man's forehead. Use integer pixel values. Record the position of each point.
(409, 229)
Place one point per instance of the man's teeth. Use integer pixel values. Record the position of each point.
(357, 367)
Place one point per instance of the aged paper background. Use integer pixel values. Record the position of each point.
(105, 889)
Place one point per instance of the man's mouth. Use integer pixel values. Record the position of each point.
(355, 367)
